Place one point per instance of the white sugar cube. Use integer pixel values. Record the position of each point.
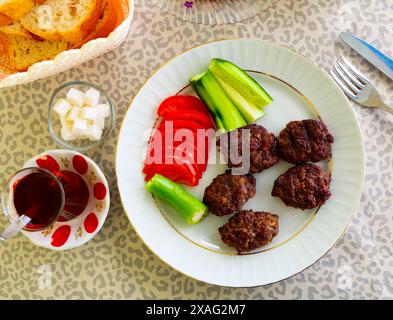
(79, 127)
(64, 122)
(67, 134)
(89, 113)
(91, 97)
(100, 123)
(73, 114)
(93, 133)
(61, 107)
(75, 97)
(103, 110)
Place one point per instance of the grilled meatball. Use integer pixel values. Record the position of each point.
(248, 230)
(227, 193)
(305, 141)
(304, 186)
(262, 146)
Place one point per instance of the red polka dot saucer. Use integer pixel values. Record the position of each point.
(78, 224)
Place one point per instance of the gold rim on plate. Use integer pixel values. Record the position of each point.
(267, 42)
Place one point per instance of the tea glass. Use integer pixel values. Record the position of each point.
(23, 222)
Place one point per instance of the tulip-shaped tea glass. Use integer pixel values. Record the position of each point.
(32, 199)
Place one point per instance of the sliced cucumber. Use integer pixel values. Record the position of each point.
(240, 82)
(249, 111)
(197, 84)
(225, 113)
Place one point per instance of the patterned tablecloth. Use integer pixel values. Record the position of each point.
(116, 264)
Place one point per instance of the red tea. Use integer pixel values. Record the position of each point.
(39, 197)
(76, 194)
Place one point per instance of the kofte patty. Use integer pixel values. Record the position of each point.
(228, 193)
(262, 146)
(304, 186)
(248, 230)
(305, 141)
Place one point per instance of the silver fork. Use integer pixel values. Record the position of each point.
(357, 86)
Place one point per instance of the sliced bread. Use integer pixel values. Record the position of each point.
(68, 20)
(16, 29)
(4, 20)
(114, 13)
(18, 53)
(16, 9)
(106, 21)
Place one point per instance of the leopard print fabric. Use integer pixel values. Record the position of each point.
(116, 264)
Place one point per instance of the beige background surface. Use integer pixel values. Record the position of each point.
(115, 264)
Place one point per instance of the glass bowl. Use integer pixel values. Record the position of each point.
(54, 124)
(213, 12)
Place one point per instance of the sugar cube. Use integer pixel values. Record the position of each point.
(67, 134)
(93, 133)
(89, 113)
(91, 97)
(64, 122)
(73, 114)
(61, 107)
(100, 123)
(103, 110)
(79, 127)
(75, 97)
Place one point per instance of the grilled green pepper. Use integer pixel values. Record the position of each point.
(187, 205)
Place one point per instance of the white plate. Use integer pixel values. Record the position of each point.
(300, 90)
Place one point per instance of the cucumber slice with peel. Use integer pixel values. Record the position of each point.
(232, 96)
(240, 82)
(249, 111)
(222, 108)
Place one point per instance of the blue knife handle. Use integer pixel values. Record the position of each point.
(383, 57)
(370, 53)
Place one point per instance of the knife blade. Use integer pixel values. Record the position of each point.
(378, 59)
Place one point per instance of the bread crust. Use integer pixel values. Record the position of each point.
(17, 30)
(4, 54)
(114, 12)
(13, 58)
(4, 20)
(16, 9)
(74, 34)
(91, 22)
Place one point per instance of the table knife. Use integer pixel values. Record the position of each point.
(381, 61)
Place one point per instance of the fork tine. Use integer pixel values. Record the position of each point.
(345, 69)
(346, 79)
(342, 85)
(355, 71)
